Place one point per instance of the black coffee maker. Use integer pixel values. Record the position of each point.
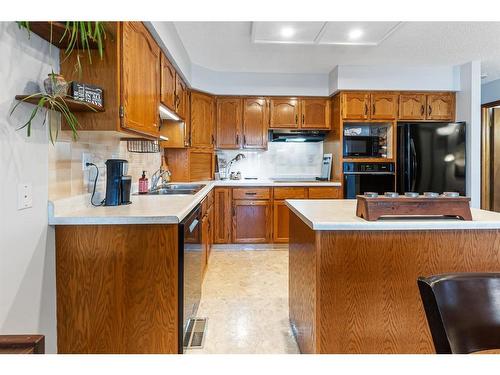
(118, 184)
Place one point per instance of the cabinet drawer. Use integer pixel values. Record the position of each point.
(251, 193)
(289, 193)
(334, 192)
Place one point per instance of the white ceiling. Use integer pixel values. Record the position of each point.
(233, 47)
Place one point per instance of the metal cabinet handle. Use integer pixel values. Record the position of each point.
(296, 119)
(213, 139)
(303, 119)
(237, 139)
(422, 110)
(244, 139)
(430, 110)
(373, 109)
(366, 109)
(250, 193)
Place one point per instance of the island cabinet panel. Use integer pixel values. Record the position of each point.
(229, 123)
(281, 211)
(355, 106)
(315, 114)
(412, 106)
(441, 106)
(255, 123)
(222, 215)
(252, 221)
(325, 192)
(202, 120)
(284, 113)
(117, 289)
(140, 79)
(168, 74)
(384, 106)
(356, 291)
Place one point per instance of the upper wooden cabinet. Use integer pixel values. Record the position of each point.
(181, 98)
(202, 120)
(140, 92)
(284, 113)
(441, 106)
(355, 106)
(255, 120)
(315, 114)
(384, 106)
(412, 106)
(229, 123)
(168, 74)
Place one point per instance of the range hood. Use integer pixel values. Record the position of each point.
(279, 135)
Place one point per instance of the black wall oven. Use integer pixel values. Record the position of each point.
(360, 178)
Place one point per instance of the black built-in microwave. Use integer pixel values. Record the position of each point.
(362, 146)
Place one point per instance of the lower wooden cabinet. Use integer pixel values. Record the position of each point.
(281, 218)
(325, 192)
(252, 221)
(222, 215)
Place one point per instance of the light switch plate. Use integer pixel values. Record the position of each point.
(24, 196)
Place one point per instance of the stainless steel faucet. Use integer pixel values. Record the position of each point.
(233, 160)
(160, 175)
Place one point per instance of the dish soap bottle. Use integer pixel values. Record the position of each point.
(143, 184)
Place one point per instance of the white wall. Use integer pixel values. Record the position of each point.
(490, 92)
(232, 83)
(386, 77)
(27, 265)
(469, 110)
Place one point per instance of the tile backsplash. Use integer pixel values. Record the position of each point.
(66, 175)
(281, 159)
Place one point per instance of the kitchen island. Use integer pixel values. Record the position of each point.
(353, 283)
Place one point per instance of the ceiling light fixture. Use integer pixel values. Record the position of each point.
(355, 34)
(287, 32)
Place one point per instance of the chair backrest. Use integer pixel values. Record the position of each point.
(463, 311)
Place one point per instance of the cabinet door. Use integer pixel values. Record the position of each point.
(229, 118)
(181, 98)
(355, 106)
(284, 113)
(204, 245)
(315, 114)
(140, 93)
(325, 192)
(281, 217)
(222, 215)
(210, 215)
(412, 107)
(251, 221)
(201, 120)
(255, 120)
(384, 106)
(441, 106)
(167, 85)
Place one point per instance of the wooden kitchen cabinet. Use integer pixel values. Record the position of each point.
(181, 98)
(206, 233)
(284, 113)
(167, 86)
(252, 221)
(281, 212)
(222, 225)
(384, 106)
(355, 106)
(190, 164)
(325, 192)
(202, 120)
(140, 92)
(229, 123)
(441, 106)
(315, 114)
(412, 106)
(255, 123)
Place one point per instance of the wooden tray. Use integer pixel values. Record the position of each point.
(372, 209)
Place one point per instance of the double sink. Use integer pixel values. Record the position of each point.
(177, 189)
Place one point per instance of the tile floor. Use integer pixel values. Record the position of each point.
(245, 298)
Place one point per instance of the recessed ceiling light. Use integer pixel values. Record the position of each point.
(287, 32)
(355, 34)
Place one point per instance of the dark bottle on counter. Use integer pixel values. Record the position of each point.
(143, 184)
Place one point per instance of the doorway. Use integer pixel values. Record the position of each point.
(490, 156)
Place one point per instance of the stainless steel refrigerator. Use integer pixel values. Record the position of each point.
(431, 157)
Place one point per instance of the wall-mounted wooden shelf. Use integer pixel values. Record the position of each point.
(73, 105)
(43, 29)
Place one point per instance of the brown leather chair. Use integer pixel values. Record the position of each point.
(463, 311)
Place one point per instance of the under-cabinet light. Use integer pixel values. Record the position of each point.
(169, 115)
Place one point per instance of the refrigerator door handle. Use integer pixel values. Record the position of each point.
(414, 165)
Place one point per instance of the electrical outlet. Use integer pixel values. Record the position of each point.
(86, 158)
(24, 196)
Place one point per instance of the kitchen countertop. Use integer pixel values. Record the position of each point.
(148, 209)
(340, 214)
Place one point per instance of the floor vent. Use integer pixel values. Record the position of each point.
(195, 333)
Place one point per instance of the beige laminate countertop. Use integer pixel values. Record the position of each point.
(148, 209)
(340, 214)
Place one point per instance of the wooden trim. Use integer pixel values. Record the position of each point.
(22, 344)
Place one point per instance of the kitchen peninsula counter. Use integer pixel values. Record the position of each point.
(353, 283)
